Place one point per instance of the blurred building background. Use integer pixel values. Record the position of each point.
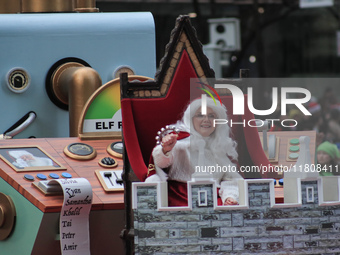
(278, 38)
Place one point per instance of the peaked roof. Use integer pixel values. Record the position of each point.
(183, 47)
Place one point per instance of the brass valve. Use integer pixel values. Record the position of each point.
(7, 216)
(73, 84)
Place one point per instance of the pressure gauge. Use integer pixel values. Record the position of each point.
(80, 151)
(18, 80)
(116, 149)
(123, 69)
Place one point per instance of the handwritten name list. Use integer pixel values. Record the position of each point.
(74, 216)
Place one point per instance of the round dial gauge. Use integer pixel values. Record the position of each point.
(123, 69)
(116, 149)
(18, 80)
(80, 151)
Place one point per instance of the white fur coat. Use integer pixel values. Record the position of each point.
(182, 162)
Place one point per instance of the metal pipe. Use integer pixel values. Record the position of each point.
(28, 6)
(13, 6)
(47, 6)
(86, 6)
(74, 84)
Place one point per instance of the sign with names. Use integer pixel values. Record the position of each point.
(315, 3)
(74, 216)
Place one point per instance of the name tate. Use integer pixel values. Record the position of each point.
(70, 247)
(72, 212)
(67, 223)
(68, 235)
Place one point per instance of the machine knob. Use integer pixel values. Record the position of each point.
(7, 216)
(2, 216)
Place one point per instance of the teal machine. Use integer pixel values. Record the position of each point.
(33, 46)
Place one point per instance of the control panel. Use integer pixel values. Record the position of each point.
(34, 201)
(34, 47)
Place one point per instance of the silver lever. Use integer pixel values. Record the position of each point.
(19, 126)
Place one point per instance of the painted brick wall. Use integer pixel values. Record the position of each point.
(260, 229)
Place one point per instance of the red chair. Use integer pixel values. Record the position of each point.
(149, 106)
(142, 118)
